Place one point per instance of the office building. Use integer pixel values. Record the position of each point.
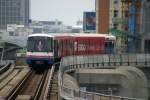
(14, 12)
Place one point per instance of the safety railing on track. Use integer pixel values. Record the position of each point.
(45, 97)
(97, 61)
(106, 61)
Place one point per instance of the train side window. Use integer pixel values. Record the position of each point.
(52, 44)
(65, 42)
(61, 44)
(106, 44)
(49, 44)
(109, 44)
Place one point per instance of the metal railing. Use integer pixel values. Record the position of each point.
(72, 94)
(97, 61)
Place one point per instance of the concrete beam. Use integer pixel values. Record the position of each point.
(130, 81)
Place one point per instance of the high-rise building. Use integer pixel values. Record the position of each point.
(127, 19)
(14, 12)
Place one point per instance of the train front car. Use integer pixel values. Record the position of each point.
(39, 50)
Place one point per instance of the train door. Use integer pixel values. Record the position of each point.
(109, 47)
(70, 47)
(102, 47)
(56, 55)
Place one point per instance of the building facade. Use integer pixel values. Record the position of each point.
(49, 27)
(116, 22)
(102, 16)
(145, 17)
(14, 12)
(145, 27)
(115, 14)
(128, 20)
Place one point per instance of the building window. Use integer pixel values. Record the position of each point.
(126, 28)
(115, 13)
(115, 26)
(115, 2)
(126, 14)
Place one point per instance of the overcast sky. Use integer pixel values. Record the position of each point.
(68, 11)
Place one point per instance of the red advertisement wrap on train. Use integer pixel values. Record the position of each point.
(85, 44)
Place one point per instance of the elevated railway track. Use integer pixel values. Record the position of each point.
(37, 86)
(50, 86)
(103, 61)
(27, 84)
(51, 92)
(31, 88)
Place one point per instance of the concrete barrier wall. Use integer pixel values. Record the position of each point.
(137, 60)
(98, 61)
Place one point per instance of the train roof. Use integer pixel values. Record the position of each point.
(40, 34)
(94, 35)
(57, 35)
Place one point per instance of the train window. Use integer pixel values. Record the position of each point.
(30, 44)
(106, 44)
(40, 44)
(75, 46)
(49, 45)
(61, 45)
(109, 44)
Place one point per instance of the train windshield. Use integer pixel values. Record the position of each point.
(40, 44)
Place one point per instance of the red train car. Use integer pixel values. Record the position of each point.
(82, 44)
(89, 44)
(63, 45)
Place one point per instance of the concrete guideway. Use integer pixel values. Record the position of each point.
(124, 81)
(109, 62)
(14, 79)
(6, 38)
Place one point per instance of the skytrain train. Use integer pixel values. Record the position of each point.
(49, 48)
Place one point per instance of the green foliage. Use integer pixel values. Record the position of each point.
(118, 33)
(23, 50)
